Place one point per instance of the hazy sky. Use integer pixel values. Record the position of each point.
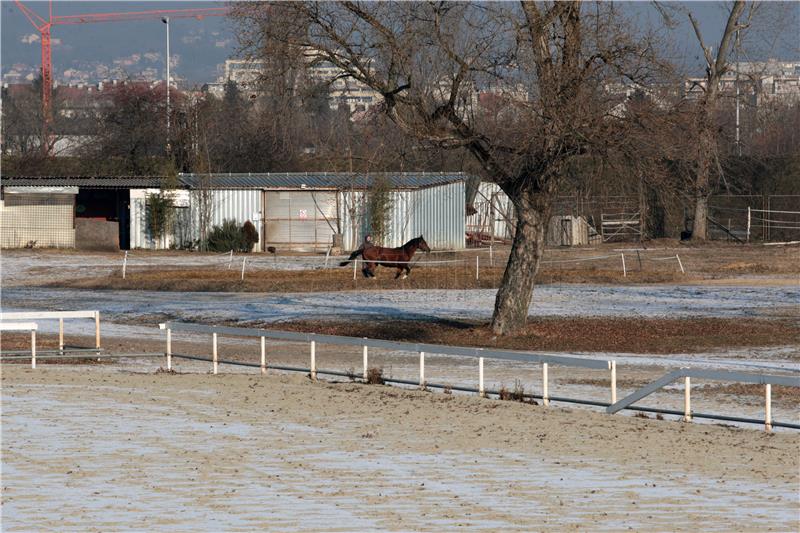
(202, 44)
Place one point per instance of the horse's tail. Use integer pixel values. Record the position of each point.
(355, 254)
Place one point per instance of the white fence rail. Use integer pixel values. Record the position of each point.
(60, 315)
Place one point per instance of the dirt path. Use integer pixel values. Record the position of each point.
(104, 449)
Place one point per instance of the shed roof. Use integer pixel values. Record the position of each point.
(269, 180)
(323, 180)
(130, 182)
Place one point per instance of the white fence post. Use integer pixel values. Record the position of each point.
(263, 355)
(313, 360)
(169, 349)
(366, 363)
(680, 264)
(491, 255)
(545, 391)
(230, 261)
(481, 390)
(613, 365)
(214, 357)
(97, 330)
(477, 267)
(33, 348)
(244, 260)
(624, 270)
(422, 370)
(124, 264)
(748, 223)
(61, 336)
(355, 265)
(768, 407)
(687, 399)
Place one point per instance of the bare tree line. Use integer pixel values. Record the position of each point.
(540, 98)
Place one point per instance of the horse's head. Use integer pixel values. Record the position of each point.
(422, 245)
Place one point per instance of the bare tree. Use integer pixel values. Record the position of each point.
(556, 65)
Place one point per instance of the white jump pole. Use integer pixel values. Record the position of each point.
(61, 336)
(680, 263)
(481, 389)
(545, 391)
(768, 407)
(33, 348)
(263, 355)
(366, 362)
(244, 260)
(313, 360)
(687, 399)
(613, 365)
(422, 370)
(124, 264)
(169, 349)
(214, 352)
(624, 270)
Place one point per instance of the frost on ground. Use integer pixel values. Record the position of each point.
(114, 450)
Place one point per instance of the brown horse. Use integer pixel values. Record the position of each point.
(398, 258)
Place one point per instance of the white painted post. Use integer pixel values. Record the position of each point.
(33, 348)
(481, 390)
(61, 336)
(365, 362)
(545, 391)
(422, 370)
(263, 355)
(169, 349)
(748, 223)
(491, 255)
(214, 352)
(313, 360)
(355, 265)
(613, 365)
(124, 264)
(230, 261)
(768, 407)
(687, 399)
(97, 330)
(477, 266)
(244, 260)
(624, 270)
(680, 264)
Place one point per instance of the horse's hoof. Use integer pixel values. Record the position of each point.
(404, 276)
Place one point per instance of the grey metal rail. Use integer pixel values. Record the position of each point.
(462, 351)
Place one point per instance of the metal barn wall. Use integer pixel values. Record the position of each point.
(239, 205)
(46, 219)
(437, 213)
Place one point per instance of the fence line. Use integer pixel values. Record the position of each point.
(60, 315)
(480, 354)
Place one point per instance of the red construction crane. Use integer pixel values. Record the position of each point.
(44, 27)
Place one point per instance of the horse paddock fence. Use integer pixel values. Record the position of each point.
(481, 354)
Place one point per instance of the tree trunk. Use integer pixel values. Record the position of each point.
(516, 290)
(702, 189)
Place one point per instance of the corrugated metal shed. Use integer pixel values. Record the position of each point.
(437, 213)
(320, 180)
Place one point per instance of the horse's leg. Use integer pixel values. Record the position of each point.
(399, 271)
(371, 269)
(408, 272)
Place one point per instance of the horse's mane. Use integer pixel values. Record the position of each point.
(413, 242)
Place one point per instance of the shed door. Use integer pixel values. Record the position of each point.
(297, 219)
